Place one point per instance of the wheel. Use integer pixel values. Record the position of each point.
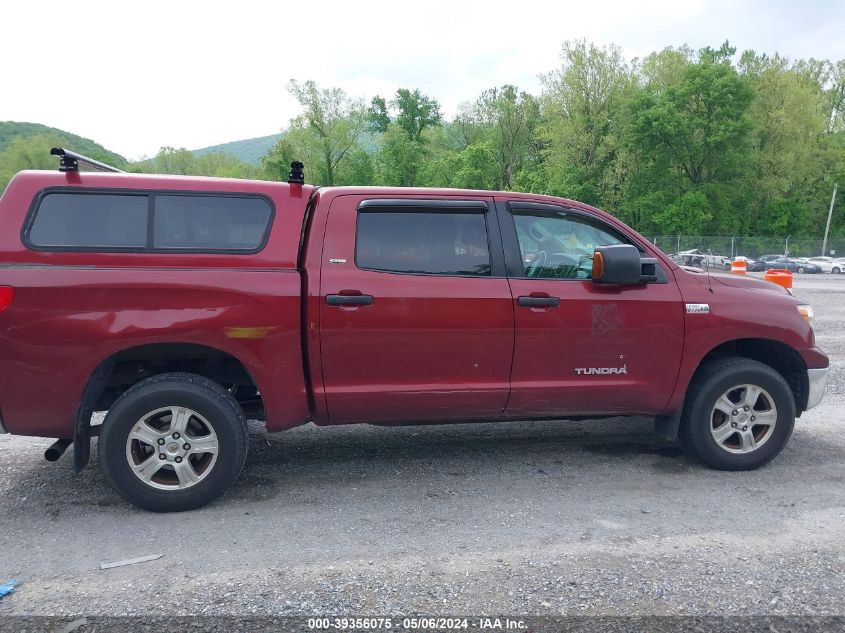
(173, 442)
(800, 269)
(739, 414)
(836, 270)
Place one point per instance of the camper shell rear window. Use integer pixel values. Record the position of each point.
(112, 220)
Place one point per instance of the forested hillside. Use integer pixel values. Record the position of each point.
(680, 142)
(27, 146)
(250, 150)
(11, 130)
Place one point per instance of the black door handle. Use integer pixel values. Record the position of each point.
(349, 300)
(538, 302)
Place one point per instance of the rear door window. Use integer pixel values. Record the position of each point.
(421, 242)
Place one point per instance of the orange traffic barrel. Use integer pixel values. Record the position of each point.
(779, 276)
(738, 266)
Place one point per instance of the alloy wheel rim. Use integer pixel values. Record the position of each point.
(743, 419)
(172, 448)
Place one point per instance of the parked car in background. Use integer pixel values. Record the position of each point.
(698, 258)
(695, 260)
(827, 264)
(793, 265)
(751, 265)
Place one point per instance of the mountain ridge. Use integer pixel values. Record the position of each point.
(12, 130)
(249, 150)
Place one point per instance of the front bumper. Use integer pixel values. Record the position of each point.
(817, 381)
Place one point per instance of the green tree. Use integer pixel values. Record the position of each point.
(404, 149)
(788, 115)
(695, 134)
(378, 117)
(31, 152)
(509, 119)
(415, 112)
(663, 69)
(170, 160)
(222, 165)
(400, 158)
(326, 134)
(688, 215)
(699, 127)
(583, 109)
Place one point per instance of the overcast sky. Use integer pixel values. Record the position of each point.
(135, 76)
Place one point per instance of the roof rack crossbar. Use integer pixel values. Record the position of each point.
(69, 161)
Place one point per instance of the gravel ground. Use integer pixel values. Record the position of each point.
(576, 518)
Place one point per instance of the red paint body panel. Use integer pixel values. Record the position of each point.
(614, 327)
(63, 325)
(747, 309)
(430, 348)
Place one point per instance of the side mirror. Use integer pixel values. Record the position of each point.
(618, 264)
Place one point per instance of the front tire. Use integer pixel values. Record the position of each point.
(739, 414)
(836, 270)
(173, 442)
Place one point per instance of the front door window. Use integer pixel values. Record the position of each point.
(559, 245)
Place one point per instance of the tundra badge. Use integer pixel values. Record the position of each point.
(603, 371)
(698, 308)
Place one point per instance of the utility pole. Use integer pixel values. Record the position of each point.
(829, 214)
(786, 248)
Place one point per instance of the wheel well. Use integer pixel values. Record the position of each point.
(130, 366)
(779, 356)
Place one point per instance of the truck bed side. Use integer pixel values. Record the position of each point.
(74, 310)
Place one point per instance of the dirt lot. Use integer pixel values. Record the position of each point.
(531, 518)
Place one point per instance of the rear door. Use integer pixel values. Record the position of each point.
(583, 348)
(416, 320)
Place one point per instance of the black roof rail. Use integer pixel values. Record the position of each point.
(69, 161)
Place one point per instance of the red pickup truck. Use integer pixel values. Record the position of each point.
(183, 306)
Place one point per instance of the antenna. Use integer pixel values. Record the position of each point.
(297, 173)
(69, 161)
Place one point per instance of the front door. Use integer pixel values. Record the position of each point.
(416, 321)
(583, 348)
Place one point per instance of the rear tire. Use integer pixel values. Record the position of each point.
(835, 270)
(739, 414)
(173, 442)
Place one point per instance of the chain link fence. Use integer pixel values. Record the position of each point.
(731, 246)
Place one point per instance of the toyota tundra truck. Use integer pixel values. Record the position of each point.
(183, 306)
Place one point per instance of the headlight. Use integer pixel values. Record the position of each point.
(807, 314)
